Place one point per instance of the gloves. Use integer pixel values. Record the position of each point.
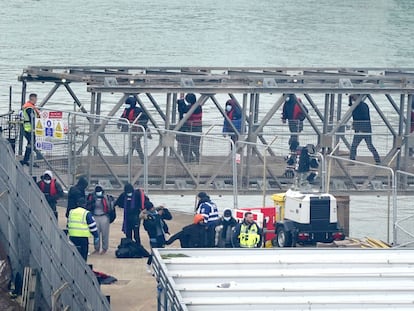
(96, 240)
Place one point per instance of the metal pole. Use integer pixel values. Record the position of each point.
(235, 188)
(145, 160)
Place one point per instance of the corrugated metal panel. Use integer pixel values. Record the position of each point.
(286, 279)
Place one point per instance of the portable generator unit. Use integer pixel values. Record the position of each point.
(308, 218)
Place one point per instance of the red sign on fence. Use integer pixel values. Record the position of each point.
(55, 114)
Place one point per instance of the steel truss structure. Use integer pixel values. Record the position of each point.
(261, 93)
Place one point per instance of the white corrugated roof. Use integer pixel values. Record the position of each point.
(287, 279)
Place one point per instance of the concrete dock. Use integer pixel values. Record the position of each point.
(136, 288)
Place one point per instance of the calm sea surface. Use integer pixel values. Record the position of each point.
(366, 33)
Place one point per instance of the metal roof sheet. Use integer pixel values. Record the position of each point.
(285, 279)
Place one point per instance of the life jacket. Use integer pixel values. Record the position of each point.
(52, 188)
(298, 113)
(195, 119)
(91, 200)
(77, 225)
(130, 116)
(249, 236)
(27, 123)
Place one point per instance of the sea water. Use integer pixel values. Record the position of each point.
(353, 33)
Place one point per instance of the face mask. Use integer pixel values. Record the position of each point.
(129, 194)
(287, 99)
(99, 194)
(226, 218)
(127, 106)
(47, 181)
(228, 108)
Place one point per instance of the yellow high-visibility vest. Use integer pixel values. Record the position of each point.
(27, 123)
(249, 236)
(77, 225)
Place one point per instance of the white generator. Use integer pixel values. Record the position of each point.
(308, 218)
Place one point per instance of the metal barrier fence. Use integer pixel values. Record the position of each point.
(31, 237)
(105, 149)
(378, 215)
(404, 225)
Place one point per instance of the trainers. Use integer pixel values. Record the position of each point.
(95, 252)
(24, 163)
(103, 252)
(149, 269)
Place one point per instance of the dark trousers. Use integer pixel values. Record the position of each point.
(82, 245)
(132, 228)
(158, 242)
(136, 145)
(28, 151)
(295, 127)
(357, 140)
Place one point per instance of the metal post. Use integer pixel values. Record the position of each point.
(235, 188)
(145, 160)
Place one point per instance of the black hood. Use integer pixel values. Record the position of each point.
(82, 183)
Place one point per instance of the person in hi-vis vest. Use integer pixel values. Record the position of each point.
(81, 225)
(247, 234)
(30, 113)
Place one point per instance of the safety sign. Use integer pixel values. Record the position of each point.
(50, 125)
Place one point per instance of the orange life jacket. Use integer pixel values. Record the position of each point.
(52, 188)
(29, 104)
(195, 119)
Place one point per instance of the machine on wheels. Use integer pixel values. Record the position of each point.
(308, 218)
(305, 216)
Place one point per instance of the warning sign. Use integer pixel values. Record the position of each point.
(55, 114)
(39, 128)
(59, 130)
(50, 125)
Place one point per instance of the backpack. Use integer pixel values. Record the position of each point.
(111, 208)
(129, 249)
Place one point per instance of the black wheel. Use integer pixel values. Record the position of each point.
(283, 237)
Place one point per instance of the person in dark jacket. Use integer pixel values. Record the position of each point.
(190, 145)
(133, 201)
(233, 112)
(51, 189)
(293, 113)
(136, 116)
(207, 208)
(75, 193)
(196, 235)
(224, 229)
(155, 225)
(362, 127)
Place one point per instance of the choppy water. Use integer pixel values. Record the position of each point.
(366, 33)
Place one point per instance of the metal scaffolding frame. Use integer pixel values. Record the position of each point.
(327, 119)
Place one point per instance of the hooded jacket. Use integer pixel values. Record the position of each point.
(235, 115)
(75, 193)
(194, 236)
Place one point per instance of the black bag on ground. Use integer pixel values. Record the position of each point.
(129, 249)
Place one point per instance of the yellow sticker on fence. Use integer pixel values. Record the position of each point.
(39, 129)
